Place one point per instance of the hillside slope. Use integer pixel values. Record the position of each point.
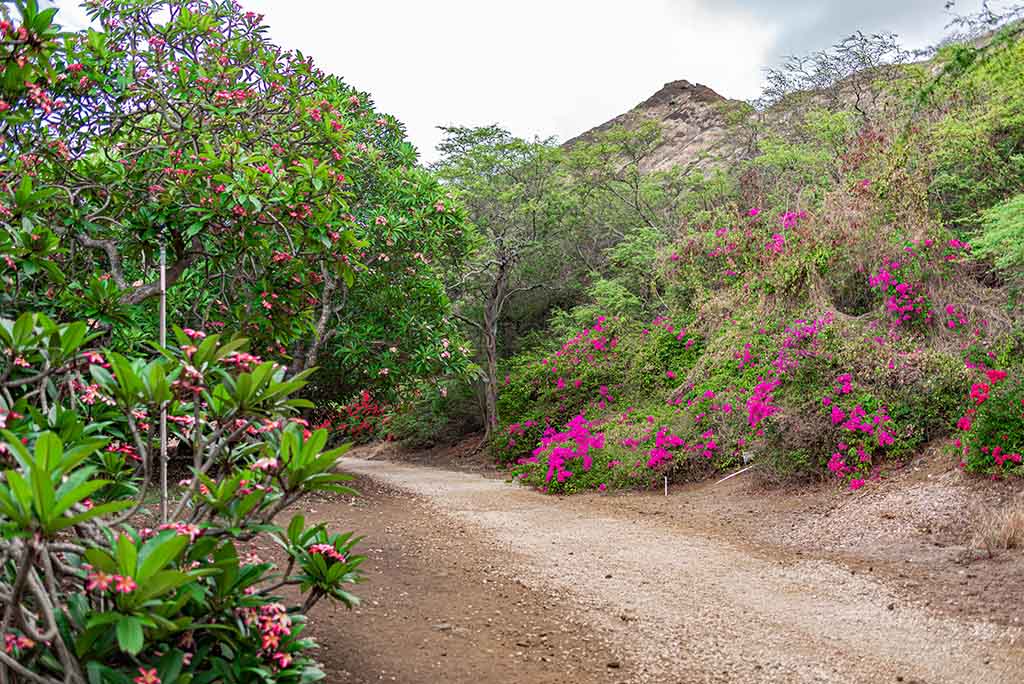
(823, 303)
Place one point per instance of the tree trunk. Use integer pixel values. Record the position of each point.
(311, 352)
(490, 344)
(492, 312)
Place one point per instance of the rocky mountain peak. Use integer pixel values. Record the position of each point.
(692, 119)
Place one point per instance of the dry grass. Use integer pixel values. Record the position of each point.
(999, 529)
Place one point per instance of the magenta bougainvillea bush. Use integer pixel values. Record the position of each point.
(991, 429)
(623, 403)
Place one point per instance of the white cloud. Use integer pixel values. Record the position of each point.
(538, 67)
(541, 67)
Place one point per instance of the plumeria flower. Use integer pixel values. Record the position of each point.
(95, 358)
(328, 551)
(183, 529)
(266, 464)
(147, 677)
(100, 581)
(124, 585)
(13, 641)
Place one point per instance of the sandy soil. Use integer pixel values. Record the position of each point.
(476, 580)
(441, 606)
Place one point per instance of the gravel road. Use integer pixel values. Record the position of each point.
(682, 607)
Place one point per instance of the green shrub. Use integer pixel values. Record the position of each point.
(993, 427)
(1002, 235)
(975, 149)
(435, 415)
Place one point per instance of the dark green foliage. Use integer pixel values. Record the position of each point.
(977, 149)
(1001, 237)
(998, 428)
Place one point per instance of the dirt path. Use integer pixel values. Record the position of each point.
(487, 582)
(441, 606)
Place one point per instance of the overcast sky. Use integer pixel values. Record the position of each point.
(560, 67)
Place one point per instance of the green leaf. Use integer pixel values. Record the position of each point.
(101, 560)
(124, 374)
(101, 674)
(82, 450)
(94, 512)
(127, 555)
(129, 635)
(42, 490)
(161, 583)
(157, 552)
(21, 454)
(102, 376)
(72, 338)
(49, 450)
(23, 329)
(169, 667)
(249, 502)
(67, 499)
(295, 527)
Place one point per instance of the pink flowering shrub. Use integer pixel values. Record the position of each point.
(901, 282)
(663, 353)
(585, 376)
(359, 420)
(991, 430)
(563, 454)
(862, 436)
(727, 255)
(820, 395)
(852, 402)
(634, 448)
(694, 429)
(96, 555)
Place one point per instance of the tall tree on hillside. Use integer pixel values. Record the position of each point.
(512, 189)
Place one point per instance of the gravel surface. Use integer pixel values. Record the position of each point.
(683, 607)
(886, 516)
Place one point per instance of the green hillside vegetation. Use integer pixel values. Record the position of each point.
(825, 306)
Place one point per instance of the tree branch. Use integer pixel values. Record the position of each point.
(113, 256)
(174, 272)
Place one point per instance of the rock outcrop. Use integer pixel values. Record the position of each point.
(693, 126)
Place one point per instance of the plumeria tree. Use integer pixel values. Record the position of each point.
(98, 589)
(271, 185)
(291, 213)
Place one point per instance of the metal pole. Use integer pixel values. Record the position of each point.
(163, 405)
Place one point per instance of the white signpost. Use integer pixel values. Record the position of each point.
(163, 405)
